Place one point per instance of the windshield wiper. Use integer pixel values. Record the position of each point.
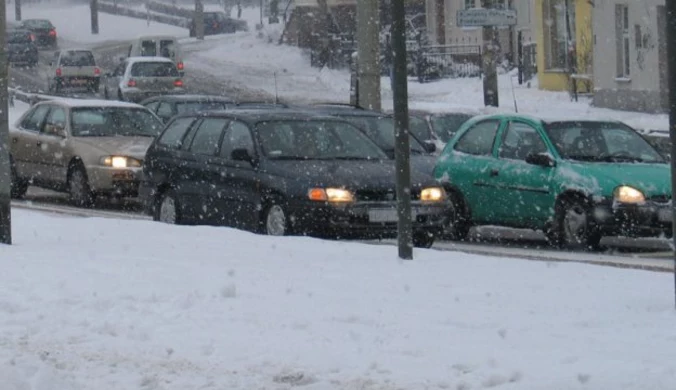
(619, 158)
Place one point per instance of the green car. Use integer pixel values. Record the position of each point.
(575, 180)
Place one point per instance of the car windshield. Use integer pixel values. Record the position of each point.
(78, 58)
(381, 130)
(446, 125)
(188, 107)
(18, 38)
(596, 141)
(38, 23)
(154, 69)
(419, 128)
(113, 121)
(315, 140)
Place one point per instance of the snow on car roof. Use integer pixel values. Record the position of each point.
(73, 103)
(149, 59)
(158, 36)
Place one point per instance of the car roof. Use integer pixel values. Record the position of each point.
(546, 119)
(339, 110)
(157, 36)
(75, 103)
(134, 60)
(253, 116)
(173, 98)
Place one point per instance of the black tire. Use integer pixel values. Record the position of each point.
(19, 186)
(79, 191)
(94, 87)
(423, 239)
(106, 95)
(459, 222)
(167, 208)
(275, 219)
(573, 226)
(120, 97)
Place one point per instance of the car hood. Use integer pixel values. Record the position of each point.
(135, 147)
(354, 175)
(602, 178)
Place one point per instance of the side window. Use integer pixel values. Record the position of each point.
(479, 139)
(34, 121)
(152, 106)
(520, 140)
(208, 136)
(148, 49)
(173, 135)
(238, 136)
(56, 120)
(164, 111)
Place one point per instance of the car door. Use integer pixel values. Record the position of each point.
(53, 155)
(198, 189)
(24, 148)
(238, 185)
(524, 189)
(471, 165)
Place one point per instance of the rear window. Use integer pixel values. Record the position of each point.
(37, 23)
(167, 48)
(148, 49)
(154, 69)
(78, 58)
(18, 37)
(113, 121)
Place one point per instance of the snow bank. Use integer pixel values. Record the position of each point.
(102, 303)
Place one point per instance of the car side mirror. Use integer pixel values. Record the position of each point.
(242, 155)
(541, 159)
(430, 146)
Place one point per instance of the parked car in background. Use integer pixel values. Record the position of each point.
(166, 46)
(83, 147)
(380, 128)
(21, 48)
(138, 78)
(74, 68)
(577, 180)
(217, 23)
(281, 172)
(437, 128)
(43, 30)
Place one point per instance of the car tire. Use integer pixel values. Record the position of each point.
(275, 221)
(423, 239)
(78, 187)
(573, 226)
(120, 97)
(459, 223)
(167, 209)
(19, 186)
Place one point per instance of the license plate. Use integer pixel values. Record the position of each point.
(664, 215)
(387, 215)
(79, 82)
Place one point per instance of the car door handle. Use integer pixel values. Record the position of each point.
(494, 172)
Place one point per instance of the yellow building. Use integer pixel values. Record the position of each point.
(564, 41)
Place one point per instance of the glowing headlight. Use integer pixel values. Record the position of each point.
(120, 162)
(432, 194)
(626, 194)
(334, 195)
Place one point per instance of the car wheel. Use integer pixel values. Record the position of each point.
(78, 187)
(275, 222)
(167, 210)
(573, 226)
(19, 186)
(423, 239)
(458, 223)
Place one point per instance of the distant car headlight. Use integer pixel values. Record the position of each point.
(333, 195)
(433, 194)
(120, 162)
(626, 194)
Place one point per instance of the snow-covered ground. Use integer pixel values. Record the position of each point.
(112, 304)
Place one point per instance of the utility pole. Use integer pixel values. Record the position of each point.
(5, 169)
(368, 49)
(17, 10)
(402, 148)
(489, 61)
(323, 33)
(94, 5)
(671, 70)
(199, 20)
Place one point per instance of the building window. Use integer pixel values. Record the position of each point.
(470, 4)
(622, 40)
(558, 21)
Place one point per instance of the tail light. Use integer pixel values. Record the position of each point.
(97, 71)
(58, 72)
(179, 66)
(52, 33)
(178, 83)
(131, 83)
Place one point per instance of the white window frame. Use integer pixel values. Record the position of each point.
(469, 4)
(623, 41)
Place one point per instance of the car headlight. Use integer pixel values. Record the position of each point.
(120, 162)
(626, 194)
(334, 195)
(433, 194)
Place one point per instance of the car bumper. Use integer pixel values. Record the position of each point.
(645, 220)
(78, 81)
(364, 219)
(115, 181)
(137, 95)
(22, 58)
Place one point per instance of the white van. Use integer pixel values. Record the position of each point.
(158, 46)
